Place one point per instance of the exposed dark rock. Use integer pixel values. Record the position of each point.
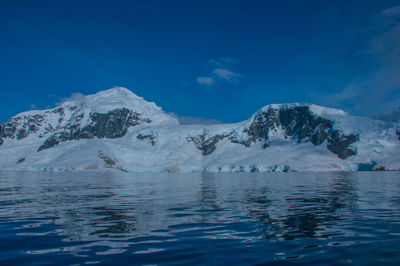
(300, 124)
(113, 124)
(340, 144)
(245, 143)
(150, 137)
(9, 129)
(106, 159)
(21, 134)
(297, 122)
(206, 146)
(22, 126)
(262, 124)
(47, 129)
(2, 135)
(50, 142)
(21, 160)
(110, 163)
(254, 169)
(146, 120)
(122, 169)
(398, 133)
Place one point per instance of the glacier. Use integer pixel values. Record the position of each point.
(117, 130)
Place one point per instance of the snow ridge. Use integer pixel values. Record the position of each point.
(116, 129)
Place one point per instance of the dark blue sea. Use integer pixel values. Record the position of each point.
(185, 219)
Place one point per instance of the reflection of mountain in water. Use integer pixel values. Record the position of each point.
(119, 211)
(306, 214)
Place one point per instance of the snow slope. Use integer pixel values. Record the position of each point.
(116, 129)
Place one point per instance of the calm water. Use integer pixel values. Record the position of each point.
(286, 218)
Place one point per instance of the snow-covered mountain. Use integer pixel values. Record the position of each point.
(117, 129)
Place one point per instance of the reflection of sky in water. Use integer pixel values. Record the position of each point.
(287, 216)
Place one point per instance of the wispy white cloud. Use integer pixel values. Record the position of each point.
(75, 97)
(222, 71)
(207, 81)
(377, 91)
(227, 75)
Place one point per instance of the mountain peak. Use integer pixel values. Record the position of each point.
(117, 126)
(117, 92)
(110, 99)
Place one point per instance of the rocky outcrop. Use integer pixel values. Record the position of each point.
(20, 127)
(297, 123)
(107, 160)
(301, 125)
(139, 136)
(261, 126)
(339, 144)
(113, 124)
(204, 144)
(21, 160)
(151, 138)
(69, 123)
(208, 145)
(110, 163)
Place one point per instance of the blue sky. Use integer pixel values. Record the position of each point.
(218, 60)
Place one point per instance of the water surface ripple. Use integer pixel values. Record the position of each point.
(285, 218)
